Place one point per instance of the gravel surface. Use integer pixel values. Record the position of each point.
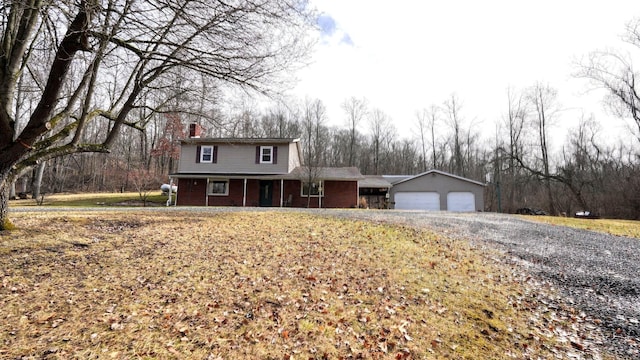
(597, 276)
(586, 278)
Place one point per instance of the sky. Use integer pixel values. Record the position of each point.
(406, 55)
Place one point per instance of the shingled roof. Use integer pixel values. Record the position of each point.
(374, 181)
(326, 173)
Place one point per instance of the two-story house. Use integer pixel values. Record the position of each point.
(258, 172)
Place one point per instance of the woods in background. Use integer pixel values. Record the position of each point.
(523, 165)
(95, 96)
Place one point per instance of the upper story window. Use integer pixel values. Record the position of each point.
(266, 154)
(207, 154)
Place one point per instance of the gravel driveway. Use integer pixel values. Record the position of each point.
(596, 275)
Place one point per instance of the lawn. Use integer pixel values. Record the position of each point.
(263, 285)
(154, 198)
(629, 228)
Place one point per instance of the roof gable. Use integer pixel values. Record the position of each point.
(241, 141)
(443, 174)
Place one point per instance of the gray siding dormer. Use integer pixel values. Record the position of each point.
(241, 157)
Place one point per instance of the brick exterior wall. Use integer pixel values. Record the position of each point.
(191, 192)
(233, 199)
(338, 194)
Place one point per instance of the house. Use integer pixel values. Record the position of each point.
(258, 172)
(436, 190)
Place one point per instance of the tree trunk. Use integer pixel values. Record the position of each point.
(37, 179)
(5, 188)
(12, 190)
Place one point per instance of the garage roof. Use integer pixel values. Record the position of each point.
(394, 179)
(440, 173)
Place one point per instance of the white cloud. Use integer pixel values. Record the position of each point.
(406, 55)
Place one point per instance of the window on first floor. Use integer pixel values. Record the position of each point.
(313, 189)
(219, 187)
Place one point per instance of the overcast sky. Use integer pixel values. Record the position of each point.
(406, 55)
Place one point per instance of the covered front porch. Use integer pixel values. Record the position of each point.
(264, 192)
(210, 190)
(335, 188)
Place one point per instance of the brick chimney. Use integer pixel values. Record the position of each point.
(195, 130)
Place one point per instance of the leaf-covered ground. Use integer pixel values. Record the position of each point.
(263, 285)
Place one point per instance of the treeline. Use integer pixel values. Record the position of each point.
(519, 163)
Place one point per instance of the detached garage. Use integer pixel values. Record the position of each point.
(437, 190)
(411, 200)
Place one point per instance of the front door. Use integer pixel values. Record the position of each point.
(266, 192)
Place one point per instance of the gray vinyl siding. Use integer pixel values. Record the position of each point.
(442, 184)
(294, 157)
(234, 159)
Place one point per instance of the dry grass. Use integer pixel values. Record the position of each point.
(627, 228)
(254, 285)
(91, 199)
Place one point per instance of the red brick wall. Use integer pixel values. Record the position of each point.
(340, 194)
(337, 194)
(233, 199)
(253, 192)
(191, 192)
(292, 187)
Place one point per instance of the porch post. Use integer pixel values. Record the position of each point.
(206, 195)
(244, 193)
(281, 192)
(170, 185)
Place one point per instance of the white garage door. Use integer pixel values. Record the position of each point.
(417, 201)
(461, 201)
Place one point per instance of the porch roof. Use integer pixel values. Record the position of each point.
(299, 173)
(325, 173)
(374, 181)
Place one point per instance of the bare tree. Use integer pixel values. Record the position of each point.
(145, 47)
(580, 170)
(403, 158)
(514, 124)
(279, 122)
(452, 109)
(315, 141)
(543, 100)
(356, 110)
(426, 122)
(145, 182)
(614, 72)
(382, 133)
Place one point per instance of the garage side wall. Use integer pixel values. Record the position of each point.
(442, 184)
